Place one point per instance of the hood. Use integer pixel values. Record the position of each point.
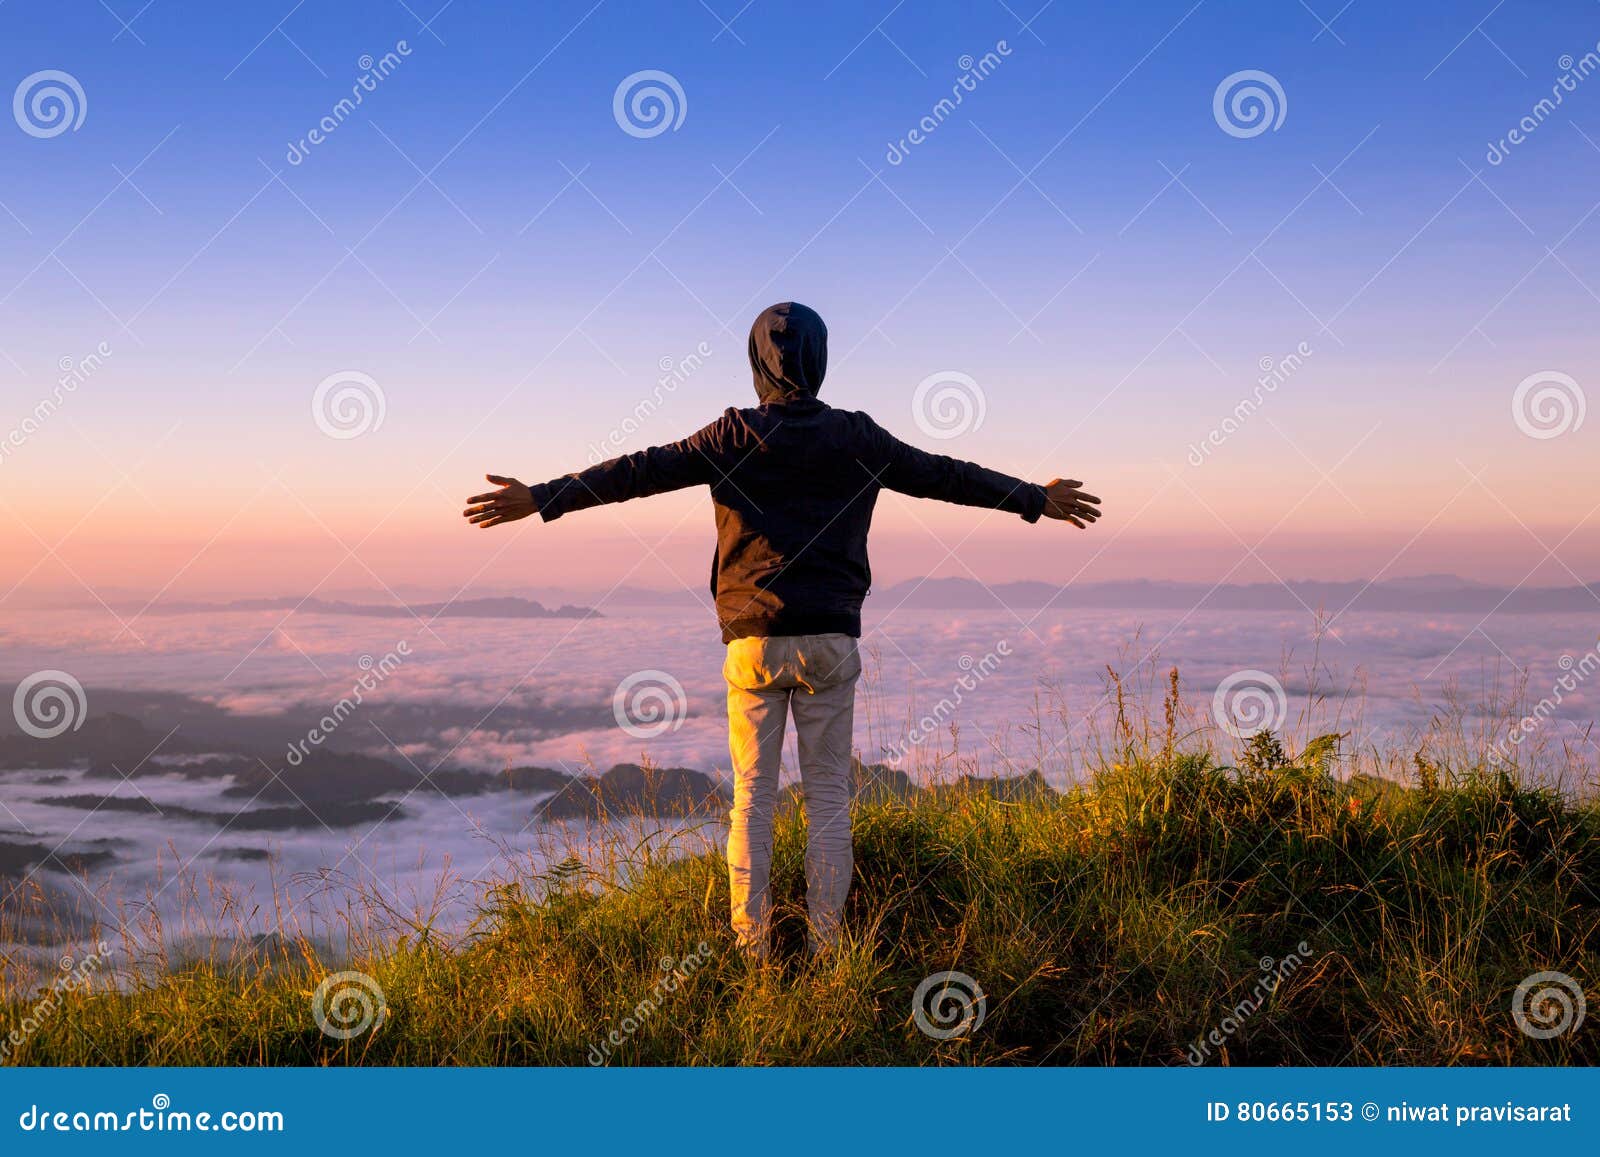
(788, 352)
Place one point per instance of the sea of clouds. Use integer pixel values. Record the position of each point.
(944, 692)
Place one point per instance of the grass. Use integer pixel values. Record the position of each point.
(1131, 920)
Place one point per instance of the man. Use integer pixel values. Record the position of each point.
(793, 483)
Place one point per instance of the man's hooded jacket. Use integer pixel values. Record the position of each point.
(793, 483)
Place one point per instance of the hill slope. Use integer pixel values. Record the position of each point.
(1171, 912)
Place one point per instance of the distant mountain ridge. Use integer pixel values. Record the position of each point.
(504, 607)
(1426, 594)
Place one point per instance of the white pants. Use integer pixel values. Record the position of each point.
(815, 677)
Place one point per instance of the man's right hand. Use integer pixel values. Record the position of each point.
(512, 501)
(1064, 500)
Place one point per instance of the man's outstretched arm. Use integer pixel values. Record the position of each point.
(653, 471)
(924, 475)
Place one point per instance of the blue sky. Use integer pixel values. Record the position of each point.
(1081, 239)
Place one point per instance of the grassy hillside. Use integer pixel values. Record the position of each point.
(1170, 911)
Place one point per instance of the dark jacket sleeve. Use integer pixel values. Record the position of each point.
(690, 462)
(923, 475)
